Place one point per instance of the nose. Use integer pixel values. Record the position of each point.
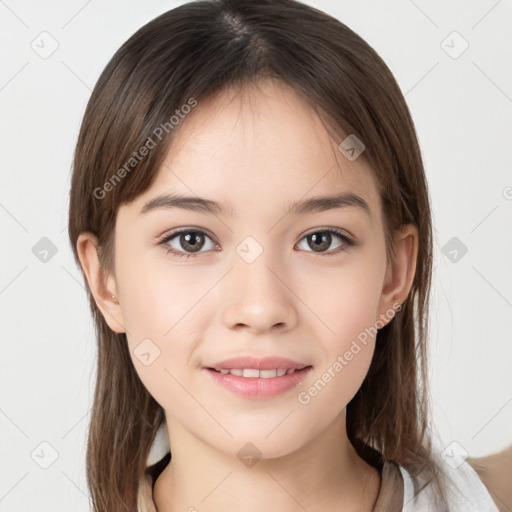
(258, 296)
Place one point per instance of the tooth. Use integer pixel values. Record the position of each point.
(255, 373)
(248, 372)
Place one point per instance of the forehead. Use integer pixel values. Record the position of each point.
(258, 145)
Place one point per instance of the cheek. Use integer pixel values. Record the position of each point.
(348, 301)
(349, 312)
(160, 299)
(348, 352)
(161, 309)
(160, 343)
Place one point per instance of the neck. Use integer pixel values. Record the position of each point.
(325, 474)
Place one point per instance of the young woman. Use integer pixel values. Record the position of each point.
(250, 212)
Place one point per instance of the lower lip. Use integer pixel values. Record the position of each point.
(257, 387)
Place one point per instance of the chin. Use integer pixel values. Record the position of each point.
(255, 444)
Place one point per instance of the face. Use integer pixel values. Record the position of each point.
(255, 277)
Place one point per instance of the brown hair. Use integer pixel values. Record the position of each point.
(198, 49)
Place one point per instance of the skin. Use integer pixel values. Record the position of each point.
(261, 149)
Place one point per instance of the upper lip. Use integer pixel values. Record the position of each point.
(265, 363)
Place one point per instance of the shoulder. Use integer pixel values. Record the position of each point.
(465, 491)
(495, 471)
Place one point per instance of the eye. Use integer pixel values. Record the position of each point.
(186, 240)
(323, 238)
(189, 242)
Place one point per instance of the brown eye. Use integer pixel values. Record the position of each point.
(192, 241)
(319, 241)
(186, 243)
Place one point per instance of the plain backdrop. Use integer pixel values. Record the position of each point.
(452, 61)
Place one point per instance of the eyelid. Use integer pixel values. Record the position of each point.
(348, 240)
(322, 229)
(187, 229)
(168, 236)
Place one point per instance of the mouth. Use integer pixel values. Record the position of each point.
(254, 373)
(258, 378)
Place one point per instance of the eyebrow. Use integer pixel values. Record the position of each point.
(302, 207)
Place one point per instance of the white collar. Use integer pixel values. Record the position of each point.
(160, 447)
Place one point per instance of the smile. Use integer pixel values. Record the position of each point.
(255, 373)
(257, 384)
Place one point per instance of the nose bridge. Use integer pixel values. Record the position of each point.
(256, 295)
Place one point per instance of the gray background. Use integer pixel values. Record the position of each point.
(462, 107)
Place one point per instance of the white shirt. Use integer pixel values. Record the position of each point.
(467, 494)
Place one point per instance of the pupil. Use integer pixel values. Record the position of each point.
(322, 241)
(191, 241)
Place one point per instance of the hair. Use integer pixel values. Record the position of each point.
(192, 52)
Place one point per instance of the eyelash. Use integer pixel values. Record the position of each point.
(347, 242)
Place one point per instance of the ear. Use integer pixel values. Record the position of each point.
(102, 286)
(400, 273)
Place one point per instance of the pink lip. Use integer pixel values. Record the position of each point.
(265, 363)
(257, 387)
